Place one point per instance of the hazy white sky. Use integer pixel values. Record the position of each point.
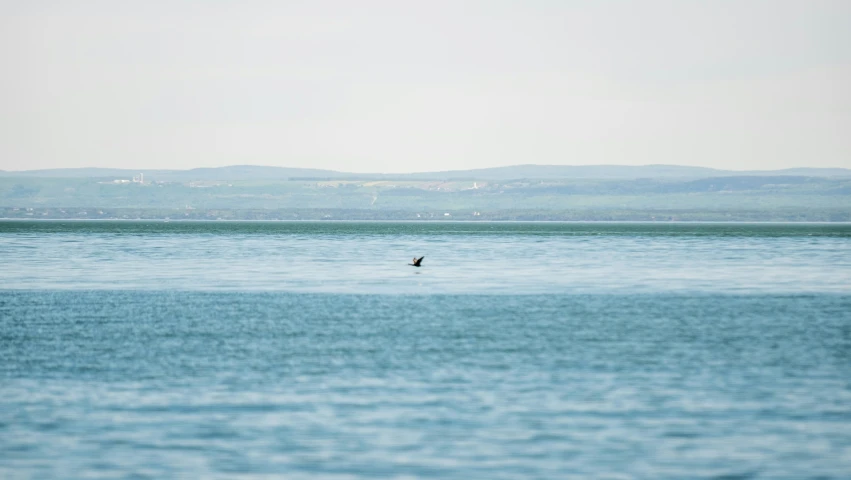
(399, 86)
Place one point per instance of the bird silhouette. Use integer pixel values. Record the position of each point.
(417, 262)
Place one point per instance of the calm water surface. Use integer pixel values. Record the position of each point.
(530, 350)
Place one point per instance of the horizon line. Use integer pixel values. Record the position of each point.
(610, 165)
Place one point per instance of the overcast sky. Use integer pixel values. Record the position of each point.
(401, 86)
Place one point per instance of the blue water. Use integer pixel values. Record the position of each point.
(311, 350)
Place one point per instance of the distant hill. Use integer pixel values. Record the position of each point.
(619, 172)
(252, 172)
(578, 171)
(805, 171)
(235, 172)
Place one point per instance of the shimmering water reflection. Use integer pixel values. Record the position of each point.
(130, 350)
(460, 257)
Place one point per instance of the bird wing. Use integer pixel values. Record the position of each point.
(418, 260)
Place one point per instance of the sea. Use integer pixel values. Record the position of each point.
(302, 350)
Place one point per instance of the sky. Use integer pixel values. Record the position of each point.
(405, 86)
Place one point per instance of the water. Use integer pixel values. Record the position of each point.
(311, 350)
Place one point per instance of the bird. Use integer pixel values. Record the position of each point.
(417, 262)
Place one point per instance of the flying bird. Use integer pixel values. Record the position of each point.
(417, 262)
